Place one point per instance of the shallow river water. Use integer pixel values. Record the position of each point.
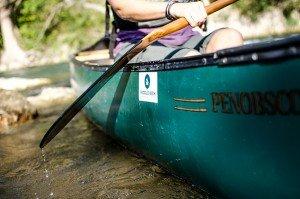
(81, 162)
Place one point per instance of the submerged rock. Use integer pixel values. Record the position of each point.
(52, 96)
(17, 83)
(14, 108)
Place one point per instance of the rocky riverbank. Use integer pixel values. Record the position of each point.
(27, 93)
(14, 109)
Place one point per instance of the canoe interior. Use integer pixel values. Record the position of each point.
(227, 121)
(94, 57)
(277, 49)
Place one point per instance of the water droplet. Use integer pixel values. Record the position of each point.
(43, 155)
(46, 173)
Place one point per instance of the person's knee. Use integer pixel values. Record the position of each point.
(225, 38)
(192, 53)
(232, 36)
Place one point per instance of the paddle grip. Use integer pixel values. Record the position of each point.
(182, 23)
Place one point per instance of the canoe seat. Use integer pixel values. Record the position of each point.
(95, 57)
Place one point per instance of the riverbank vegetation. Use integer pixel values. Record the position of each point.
(48, 27)
(253, 9)
(60, 27)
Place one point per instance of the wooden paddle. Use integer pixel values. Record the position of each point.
(84, 98)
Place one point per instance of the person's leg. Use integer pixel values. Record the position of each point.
(224, 38)
(157, 52)
(198, 44)
(216, 40)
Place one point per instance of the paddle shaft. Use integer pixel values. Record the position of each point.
(85, 97)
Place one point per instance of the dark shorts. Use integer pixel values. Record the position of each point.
(158, 51)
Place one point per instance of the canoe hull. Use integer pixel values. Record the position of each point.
(234, 130)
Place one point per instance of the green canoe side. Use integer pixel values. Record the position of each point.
(236, 155)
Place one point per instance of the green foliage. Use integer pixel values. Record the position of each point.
(52, 23)
(252, 8)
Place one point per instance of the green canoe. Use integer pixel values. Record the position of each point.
(228, 121)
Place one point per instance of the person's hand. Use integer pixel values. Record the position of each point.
(193, 12)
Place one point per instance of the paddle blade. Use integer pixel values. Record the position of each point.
(85, 97)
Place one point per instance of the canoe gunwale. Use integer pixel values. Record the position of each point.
(269, 51)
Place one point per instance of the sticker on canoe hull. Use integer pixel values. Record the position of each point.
(148, 87)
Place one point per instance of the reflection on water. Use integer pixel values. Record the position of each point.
(81, 162)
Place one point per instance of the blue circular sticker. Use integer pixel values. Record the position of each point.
(147, 81)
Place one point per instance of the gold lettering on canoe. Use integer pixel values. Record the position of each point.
(268, 103)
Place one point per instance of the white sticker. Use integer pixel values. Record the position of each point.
(148, 87)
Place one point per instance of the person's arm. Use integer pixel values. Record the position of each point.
(133, 10)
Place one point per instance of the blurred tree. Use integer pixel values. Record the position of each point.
(12, 51)
(56, 22)
(252, 8)
(49, 24)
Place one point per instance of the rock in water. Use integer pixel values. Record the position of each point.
(52, 96)
(17, 83)
(14, 108)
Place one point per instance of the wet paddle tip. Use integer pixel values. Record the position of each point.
(43, 143)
